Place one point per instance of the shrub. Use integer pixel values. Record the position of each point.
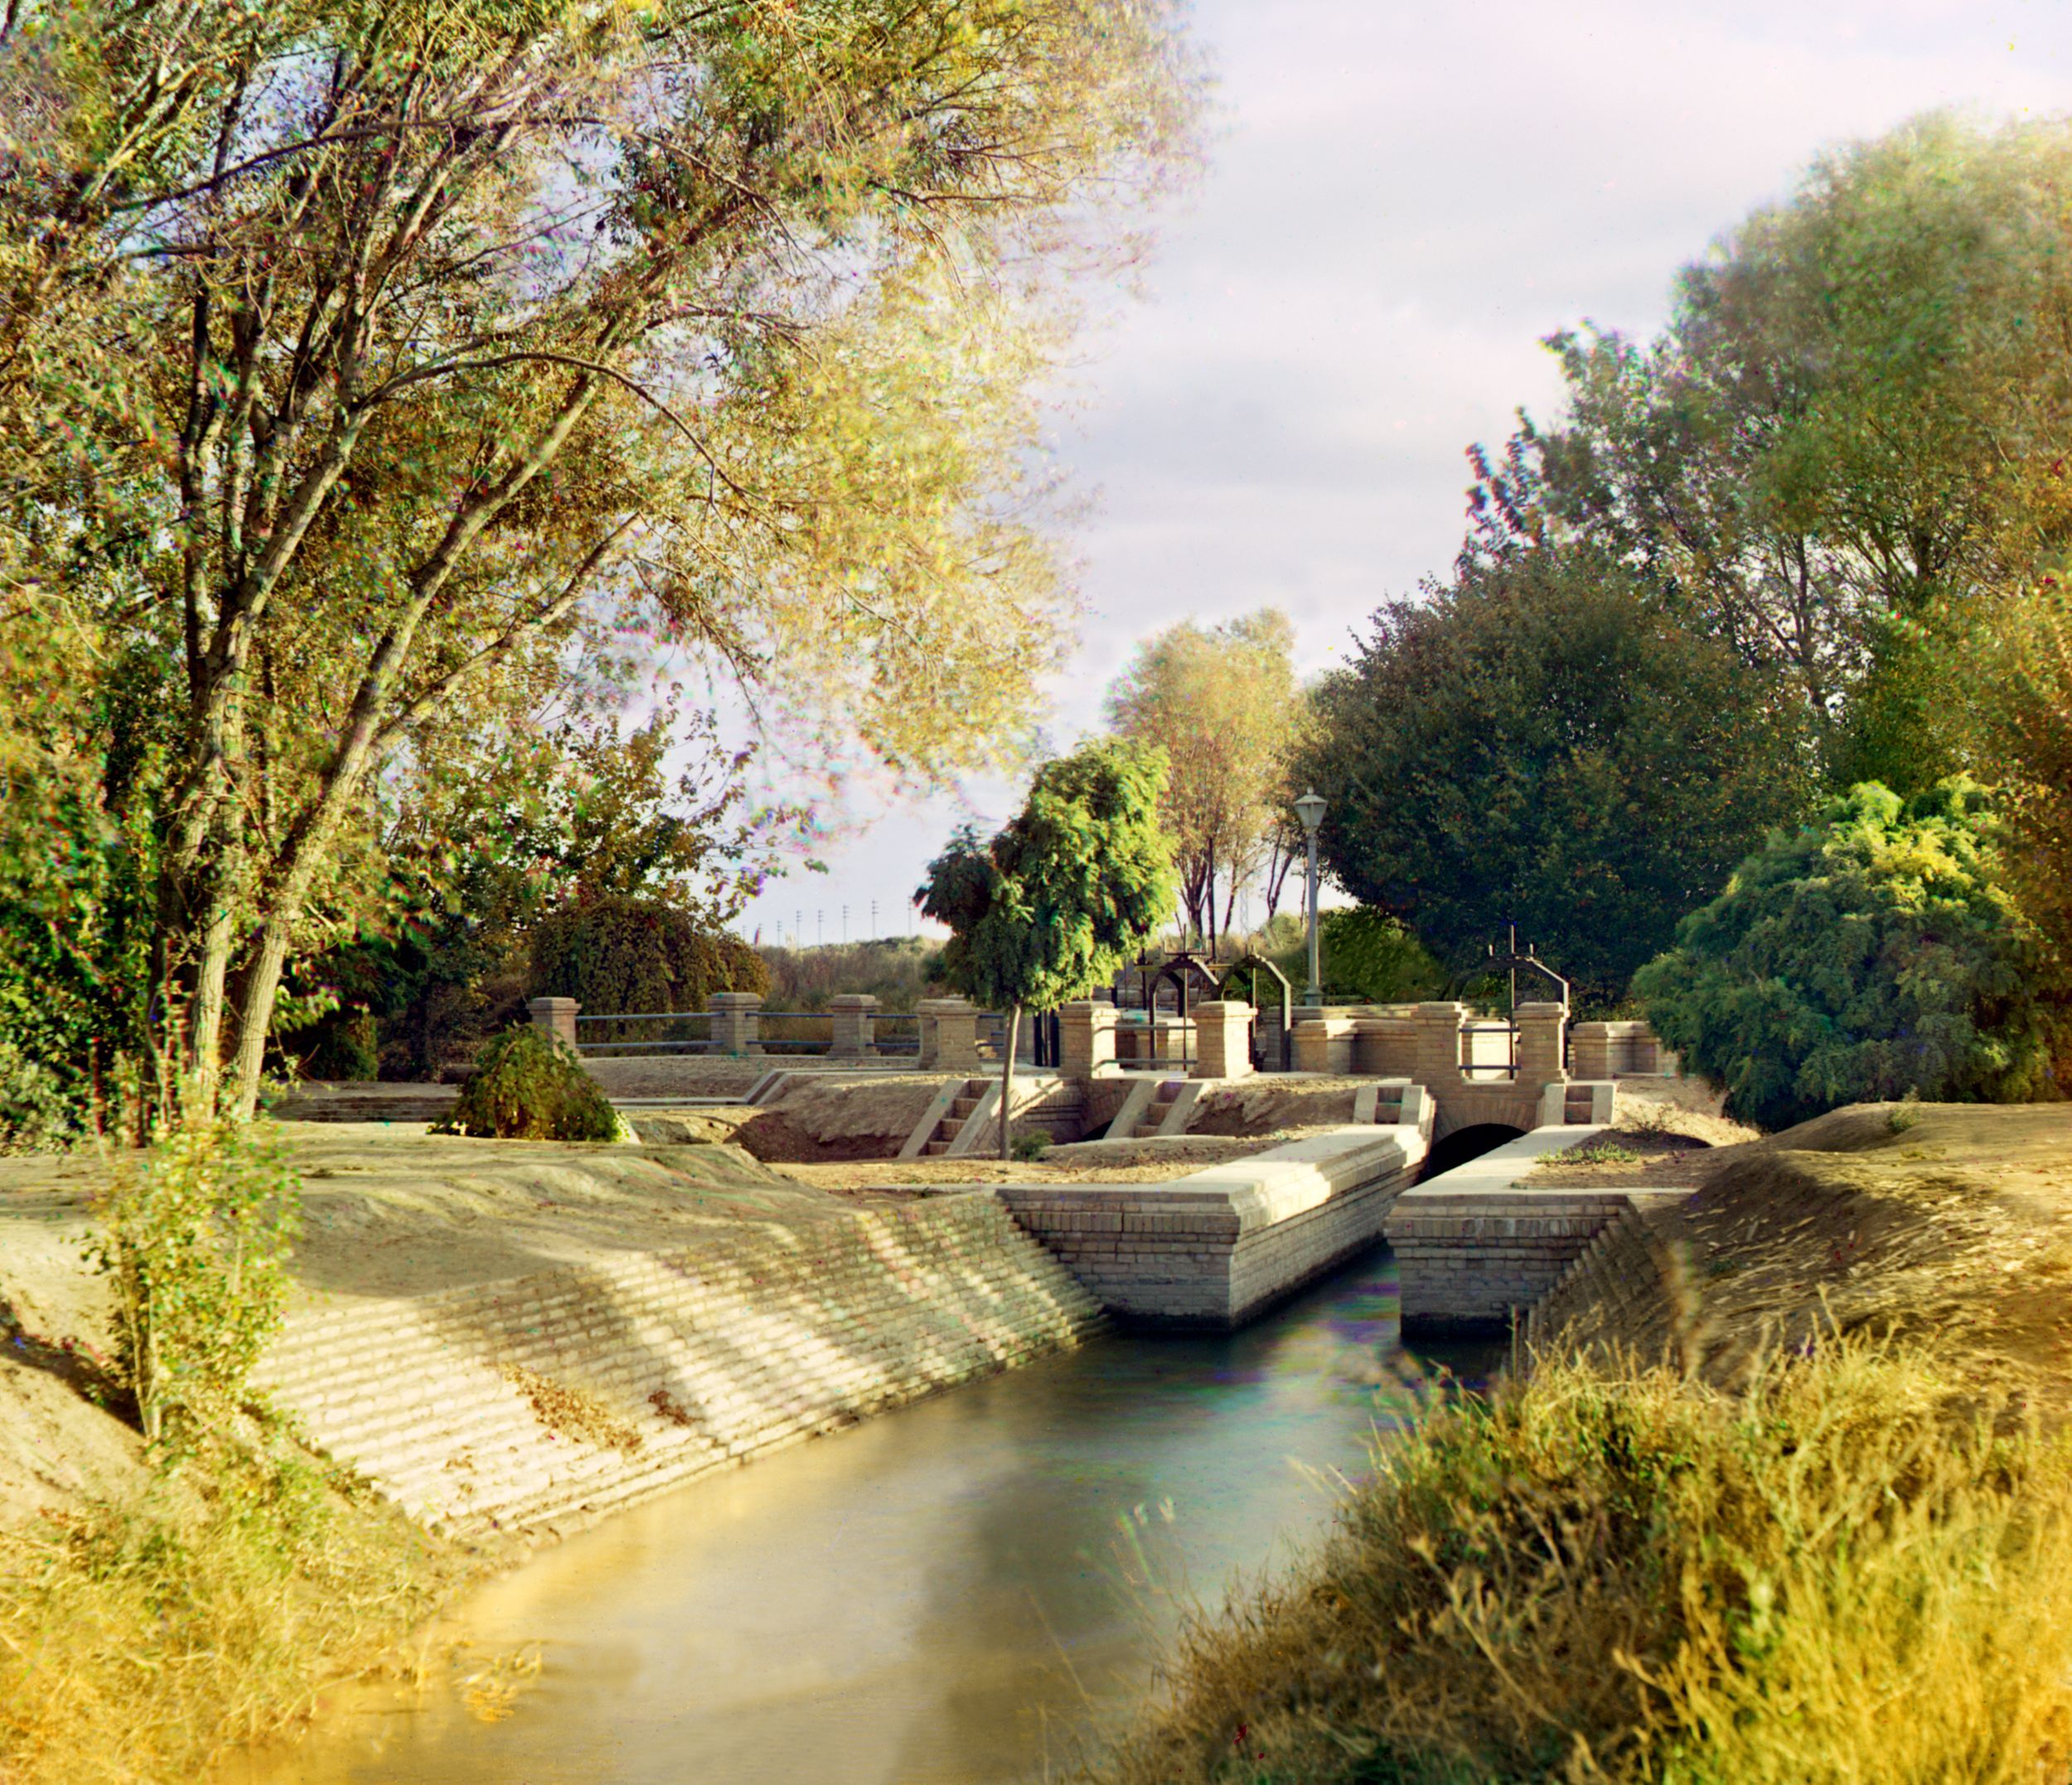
(1030, 1144)
(638, 955)
(1850, 1572)
(531, 1086)
(1367, 955)
(195, 1238)
(1873, 954)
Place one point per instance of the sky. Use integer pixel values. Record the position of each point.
(1402, 200)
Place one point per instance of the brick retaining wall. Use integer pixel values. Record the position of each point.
(1218, 1247)
(547, 1400)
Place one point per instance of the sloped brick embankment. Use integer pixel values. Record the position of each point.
(544, 1400)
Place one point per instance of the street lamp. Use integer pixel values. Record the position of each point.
(1309, 809)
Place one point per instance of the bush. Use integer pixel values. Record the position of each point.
(637, 954)
(531, 1086)
(1031, 1144)
(1368, 956)
(1846, 1573)
(196, 1238)
(897, 971)
(1873, 953)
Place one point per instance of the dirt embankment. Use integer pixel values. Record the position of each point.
(1949, 1222)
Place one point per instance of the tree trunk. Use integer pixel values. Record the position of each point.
(1007, 1080)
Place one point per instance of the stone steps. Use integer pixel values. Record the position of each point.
(748, 1343)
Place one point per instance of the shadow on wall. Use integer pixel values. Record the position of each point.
(1464, 1145)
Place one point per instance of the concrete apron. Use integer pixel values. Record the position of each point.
(1477, 1247)
(1220, 1246)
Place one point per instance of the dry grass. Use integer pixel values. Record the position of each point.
(1846, 1572)
(140, 1643)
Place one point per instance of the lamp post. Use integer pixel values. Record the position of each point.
(1309, 809)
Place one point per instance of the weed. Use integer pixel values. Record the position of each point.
(143, 1641)
(1850, 1571)
(195, 1238)
(1031, 1143)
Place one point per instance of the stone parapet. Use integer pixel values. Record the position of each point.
(1086, 1039)
(852, 1014)
(1615, 1050)
(949, 1035)
(1542, 1031)
(1385, 1047)
(1222, 1030)
(556, 1016)
(736, 1020)
(1323, 1038)
(1218, 1247)
(1438, 1036)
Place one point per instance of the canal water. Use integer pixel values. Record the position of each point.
(974, 1588)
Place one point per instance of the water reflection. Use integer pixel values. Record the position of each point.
(967, 1590)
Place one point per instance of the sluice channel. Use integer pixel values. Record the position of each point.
(973, 1589)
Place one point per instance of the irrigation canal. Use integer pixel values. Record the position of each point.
(970, 1589)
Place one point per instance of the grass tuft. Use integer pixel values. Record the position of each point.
(1846, 1572)
(142, 1641)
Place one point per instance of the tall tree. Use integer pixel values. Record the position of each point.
(1849, 440)
(1065, 894)
(1223, 703)
(358, 363)
(1537, 744)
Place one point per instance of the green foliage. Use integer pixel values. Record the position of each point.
(194, 1237)
(531, 1086)
(766, 402)
(1539, 744)
(637, 955)
(141, 1640)
(1847, 442)
(897, 971)
(1844, 1573)
(1369, 957)
(1032, 1144)
(1067, 891)
(1222, 702)
(1875, 954)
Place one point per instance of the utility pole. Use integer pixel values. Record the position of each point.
(873, 920)
(820, 929)
(844, 927)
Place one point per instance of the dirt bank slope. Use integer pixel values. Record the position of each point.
(1949, 1221)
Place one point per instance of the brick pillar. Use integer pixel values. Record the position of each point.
(1086, 1038)
(1223, 1038)
(851, 1012)
(1539, 1057)
(1384, 1046)
(556, 1016)
(1437, 1027)
(949, 1034)
(1590, 1047)
(734, 1022)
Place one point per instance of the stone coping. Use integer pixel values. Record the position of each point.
(1269, 1187)
(1508, 1167)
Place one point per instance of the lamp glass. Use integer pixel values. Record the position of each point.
(1309, 809)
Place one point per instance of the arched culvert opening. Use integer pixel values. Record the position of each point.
(1464, 1145)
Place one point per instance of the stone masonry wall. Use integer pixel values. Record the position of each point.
(1473, 1261)
(1214, 1249)
(548, 1400)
